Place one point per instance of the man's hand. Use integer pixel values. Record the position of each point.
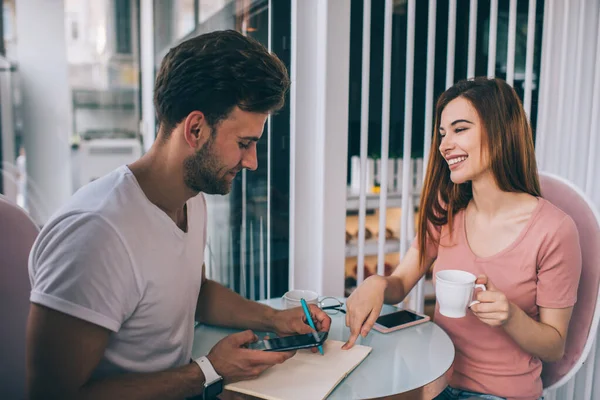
(234, 362)
(293, 321)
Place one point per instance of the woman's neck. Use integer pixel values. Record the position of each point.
(490, 201)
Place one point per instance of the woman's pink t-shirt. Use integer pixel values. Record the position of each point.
(541, 268)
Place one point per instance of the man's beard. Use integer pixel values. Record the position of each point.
(200, 172)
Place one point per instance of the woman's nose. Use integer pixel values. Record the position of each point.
(446, 144)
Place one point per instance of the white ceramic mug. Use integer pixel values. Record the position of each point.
(454, 292)
(292, 298)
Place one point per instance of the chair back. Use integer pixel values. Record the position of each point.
(586, 313)
(17, 234)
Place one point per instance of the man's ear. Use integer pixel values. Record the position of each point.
(196, 130)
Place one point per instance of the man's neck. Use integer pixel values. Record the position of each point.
(162, 183)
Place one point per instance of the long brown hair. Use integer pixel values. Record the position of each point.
(509, 141)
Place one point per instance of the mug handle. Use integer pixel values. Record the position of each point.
(480, 286)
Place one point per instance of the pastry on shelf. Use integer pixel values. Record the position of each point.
(366, 271)
(388, 269)
(368, 234)
(350, 282)
(389, 234)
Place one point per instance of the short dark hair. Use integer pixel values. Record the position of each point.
(214, 73)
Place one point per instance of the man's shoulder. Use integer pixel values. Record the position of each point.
(103, 205)
(114, 197)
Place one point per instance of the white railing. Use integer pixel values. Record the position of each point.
(407, 173)
(364, 133)
(220, 262)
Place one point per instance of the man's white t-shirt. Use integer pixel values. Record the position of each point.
(113, 258)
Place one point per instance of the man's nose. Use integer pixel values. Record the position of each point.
(250, 160)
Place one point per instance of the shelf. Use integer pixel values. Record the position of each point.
(115, 99)
(371, 247)
(428, 290)
(372, 200)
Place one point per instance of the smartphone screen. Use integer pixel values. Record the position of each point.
(289, 342)
(398, 318)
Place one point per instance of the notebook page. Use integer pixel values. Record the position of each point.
(307, 375)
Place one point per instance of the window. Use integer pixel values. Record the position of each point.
(248, 231)
(123, 24)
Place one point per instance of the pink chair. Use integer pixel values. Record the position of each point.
(17, 234)
(586, 313)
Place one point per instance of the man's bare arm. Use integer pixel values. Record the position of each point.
(63, 351)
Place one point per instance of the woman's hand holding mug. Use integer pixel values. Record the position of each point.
(493, 308)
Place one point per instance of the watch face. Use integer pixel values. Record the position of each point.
(213, 390)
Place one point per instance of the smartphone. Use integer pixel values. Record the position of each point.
(398, 320)
(289, 343)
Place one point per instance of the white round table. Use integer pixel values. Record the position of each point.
(413, 363)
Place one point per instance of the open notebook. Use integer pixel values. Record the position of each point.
(307, 375)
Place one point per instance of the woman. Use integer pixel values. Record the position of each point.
(482, 212)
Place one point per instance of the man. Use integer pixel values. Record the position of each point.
(116, 274)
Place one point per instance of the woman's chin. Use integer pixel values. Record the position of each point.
(457, 178)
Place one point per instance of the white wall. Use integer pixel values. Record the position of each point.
(42, 60)
(319, 139)
(566, 143)
(568, 137)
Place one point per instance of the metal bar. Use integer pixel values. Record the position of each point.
(293, 74)
(544, 99)
(591, 174)
(147, 73)
(429, 83)
(569, 390)
(385, 131)
(589, 374)
(364, 132)
(512, 38)
(243, 249)
(261, 286)
(451, 43)
(472, 39)
(529, 57)
(223, 264)
(559, 144)
(230, 260)
(491, 70)
(269, 152)
(408, 101)
(419, 294)
(252, 274)
(571, 144)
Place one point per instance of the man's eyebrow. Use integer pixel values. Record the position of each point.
(253, 138)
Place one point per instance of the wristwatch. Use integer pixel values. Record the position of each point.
(213, 382)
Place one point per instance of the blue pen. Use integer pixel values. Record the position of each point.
(310, 322)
